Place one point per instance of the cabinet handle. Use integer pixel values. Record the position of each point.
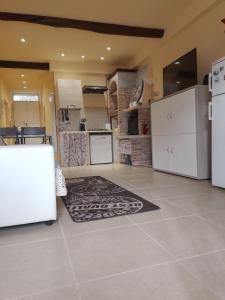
(210, 82)
(171, 116)
(168, 116)
(210, 111)
(168, 150)
(172, 150)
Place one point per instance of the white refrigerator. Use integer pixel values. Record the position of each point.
(217, 116)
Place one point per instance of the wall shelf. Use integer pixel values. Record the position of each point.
(129, 109)
(69, 108)
(114, 93)
(114, 116)
(140, 136)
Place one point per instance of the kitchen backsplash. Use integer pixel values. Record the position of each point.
(96, 117)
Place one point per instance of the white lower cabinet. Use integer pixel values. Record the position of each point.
(184, 154)
(161, 152)
(175, 154)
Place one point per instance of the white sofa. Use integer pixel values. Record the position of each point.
(27, 184)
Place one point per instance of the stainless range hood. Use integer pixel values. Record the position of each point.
(94, 89)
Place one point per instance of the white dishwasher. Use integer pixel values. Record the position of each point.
(101, 148)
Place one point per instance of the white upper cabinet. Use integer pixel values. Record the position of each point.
(183, 113)
(174, 114)
(161, 118)
(69, 93)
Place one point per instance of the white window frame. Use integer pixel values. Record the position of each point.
(26, 94)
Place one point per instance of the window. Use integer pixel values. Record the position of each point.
(25, 97)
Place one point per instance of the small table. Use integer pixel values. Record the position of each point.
(21, 139)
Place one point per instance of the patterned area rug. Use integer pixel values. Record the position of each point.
(94, 198)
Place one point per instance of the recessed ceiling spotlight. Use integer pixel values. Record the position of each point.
(177, 62)
(24, 87)
(22, 75)
(23, 40)
(62, 54)
(178, 82)
(24, 82)
(83, 57)
(102, 58)
(108, 48)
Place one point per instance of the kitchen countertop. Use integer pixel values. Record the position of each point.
(142, 136)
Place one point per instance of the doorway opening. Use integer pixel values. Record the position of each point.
(26, 110)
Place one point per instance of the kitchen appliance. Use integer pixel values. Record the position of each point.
(217, 116)
(82, 124)
(94, 89)
(101, 148)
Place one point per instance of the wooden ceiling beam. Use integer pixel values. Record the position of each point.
(24, 65)
(105, 28)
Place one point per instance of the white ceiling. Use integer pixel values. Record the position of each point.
(45, 43)
(33, 78)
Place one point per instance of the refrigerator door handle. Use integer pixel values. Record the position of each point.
(210, 82)
(210, 111)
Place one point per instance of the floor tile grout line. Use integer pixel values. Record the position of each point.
(70, 262)
(197, 214)
(179, 260)
(193, 212)
(31, 242)
(154, 240)
(41, 293)
(126, 272)
(197, 278)
(161, 220)
(132, 223)
(211, 222)
(102, 230)
(199, 255)
(162, 198)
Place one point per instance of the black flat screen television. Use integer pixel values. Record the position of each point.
(180, 74)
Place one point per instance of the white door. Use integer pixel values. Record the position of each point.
(184, 154)
(161, 152)
(101, 148)
(183, 113)
(26, 114)
(218, 141)
(161, 117)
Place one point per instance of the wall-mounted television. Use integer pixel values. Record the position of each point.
(181, 73)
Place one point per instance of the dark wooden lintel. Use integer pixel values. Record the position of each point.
(105, 28)
(24, 65)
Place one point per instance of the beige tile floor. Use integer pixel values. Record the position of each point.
(175, 253)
